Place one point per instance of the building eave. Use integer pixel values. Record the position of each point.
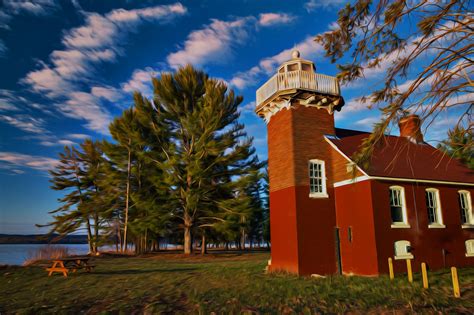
(407, 180)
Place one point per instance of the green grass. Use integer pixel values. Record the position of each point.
(223, 283)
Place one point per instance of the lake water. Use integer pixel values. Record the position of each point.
(16, 254)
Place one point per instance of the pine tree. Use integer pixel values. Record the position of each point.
(94, 203)
(207, 147)
(78, 173)
(150, 198)
(460, 145)
(135, 178)
(121, 157)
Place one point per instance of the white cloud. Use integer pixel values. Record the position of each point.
(6, 105)
(308, 49)
(79, 136)
(7, 101)
(98, 32)
(107, 92)
(48, 80)
(36, 7)
(140, 81)
(164, 13)
(99, 40)
(11, 102)
(48, 139)
(25, 123)
(12, 160)
(213, 43)
(59, 142)
(353, 105)
(367, 122)
(247, 108)
(312, 5)
(88, 107)
(270, 19)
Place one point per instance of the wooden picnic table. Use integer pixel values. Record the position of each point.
(64, 265)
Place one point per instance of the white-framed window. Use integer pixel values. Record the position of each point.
(317, 179)
(465, 206)
(403, 250)
(433, 205)
(470, 248)
(398, 210)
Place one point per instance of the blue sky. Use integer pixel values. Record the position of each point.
(69, 67)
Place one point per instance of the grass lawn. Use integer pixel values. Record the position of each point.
(221, 283)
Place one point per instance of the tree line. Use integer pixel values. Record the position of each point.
(180, 169)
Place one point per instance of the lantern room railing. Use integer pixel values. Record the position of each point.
(299, 79)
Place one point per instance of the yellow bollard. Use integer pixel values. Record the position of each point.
(410, 274)
(454, 275)
(424, 275)
(390, 268)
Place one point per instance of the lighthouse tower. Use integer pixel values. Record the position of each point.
(298, 104)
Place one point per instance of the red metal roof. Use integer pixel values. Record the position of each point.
(398, 157)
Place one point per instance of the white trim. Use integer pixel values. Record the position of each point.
(400, 226)
(421, 181)
(467, 226)
(318, 195)
(345, 156)
(436, 226)
(352, 181)
(367, 177)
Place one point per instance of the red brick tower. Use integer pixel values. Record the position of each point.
(298, 106)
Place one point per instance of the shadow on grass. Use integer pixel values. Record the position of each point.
(140, 271)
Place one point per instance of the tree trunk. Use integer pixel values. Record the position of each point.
(242, 240)
(96, 232)
(127, 197)
(146, 241)
(89, 235)
(203, 244)
(188, 245)
(119, 237)
(187, 240)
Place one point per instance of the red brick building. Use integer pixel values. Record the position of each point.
(413, 202)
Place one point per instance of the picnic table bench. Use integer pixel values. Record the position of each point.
(65, 265)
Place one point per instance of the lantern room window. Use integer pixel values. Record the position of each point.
(398, 211)
(317, 179)
(306, 67)
(293, 67)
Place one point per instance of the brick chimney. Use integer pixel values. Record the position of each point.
(410, 127)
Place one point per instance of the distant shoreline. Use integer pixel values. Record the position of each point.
(41, 239)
